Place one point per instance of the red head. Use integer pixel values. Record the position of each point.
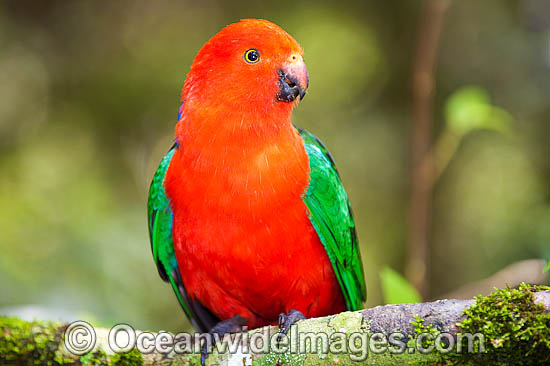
(250, 73)
(239, 153)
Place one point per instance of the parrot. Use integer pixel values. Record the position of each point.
(248, 219)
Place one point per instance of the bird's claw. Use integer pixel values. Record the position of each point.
(287, 320)
(230, 325)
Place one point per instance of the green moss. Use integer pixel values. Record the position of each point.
(97, 358)
(286, 359)
(516, 330)
(132, 358)
(40, 343)
(36, 341)
(421, 328)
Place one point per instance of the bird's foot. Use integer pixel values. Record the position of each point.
(231, 325)
(287, 320)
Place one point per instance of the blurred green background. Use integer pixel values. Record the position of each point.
(89, 94)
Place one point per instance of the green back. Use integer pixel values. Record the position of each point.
(160, 229)
(331, 216)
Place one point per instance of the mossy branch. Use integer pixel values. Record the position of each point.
(515, 324)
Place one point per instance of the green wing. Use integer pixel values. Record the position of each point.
(160, 230)
(162, 245)
(331, 216)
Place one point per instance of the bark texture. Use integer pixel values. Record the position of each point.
(43, 342)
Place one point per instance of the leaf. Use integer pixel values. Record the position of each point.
(547, 268)
(396, 289)
(469, 108)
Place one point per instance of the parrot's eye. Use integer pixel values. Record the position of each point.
(252, 56)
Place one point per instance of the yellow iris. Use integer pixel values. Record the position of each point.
(252, 56)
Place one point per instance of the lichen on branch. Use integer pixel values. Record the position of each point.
(515, 324)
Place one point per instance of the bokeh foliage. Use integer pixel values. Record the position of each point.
(88, 101)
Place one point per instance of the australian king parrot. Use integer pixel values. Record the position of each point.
(248, 218)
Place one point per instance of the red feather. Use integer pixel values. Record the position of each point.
(242, 235)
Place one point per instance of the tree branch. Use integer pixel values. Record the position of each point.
(422, 171)
(43, 342)
(528, 271)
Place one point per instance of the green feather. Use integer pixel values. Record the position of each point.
(160, 228)
(330, 215)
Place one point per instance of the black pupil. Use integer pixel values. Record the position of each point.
(252, 56)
